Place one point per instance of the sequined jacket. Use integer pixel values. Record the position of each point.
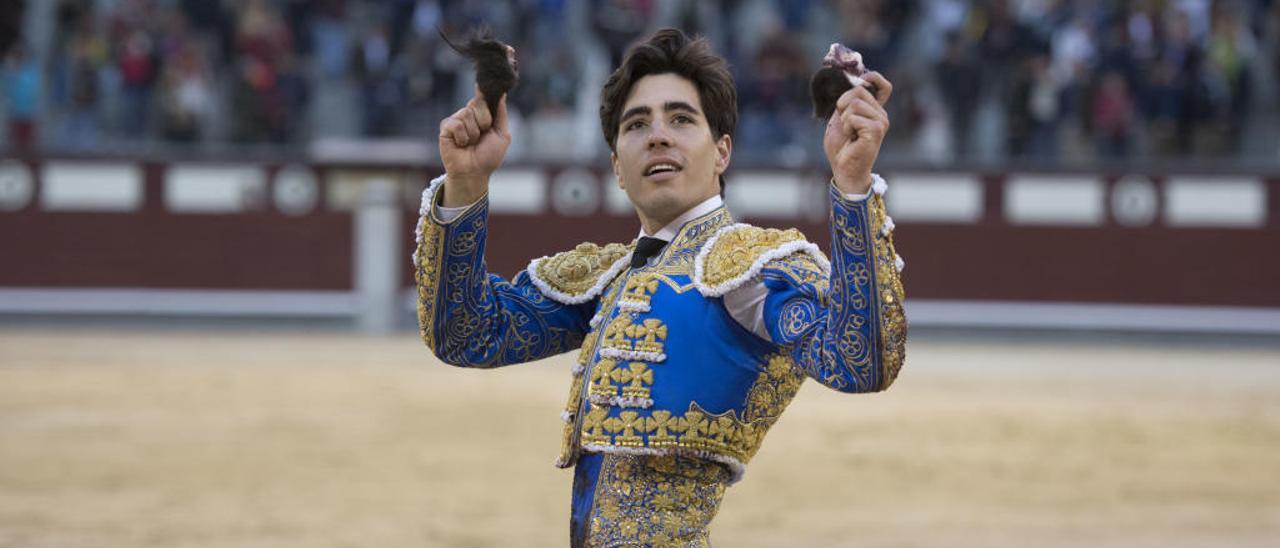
(663, 368)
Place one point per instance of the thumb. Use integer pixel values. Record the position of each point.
(500, 121)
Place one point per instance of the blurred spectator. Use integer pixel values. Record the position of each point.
(379, 83)
(186, 96)
(774, 98)
(1113, 116)
(1031, 78)
(959, 76)
(22, 96)
(137, 66)
(618, 23)
(1036, 110)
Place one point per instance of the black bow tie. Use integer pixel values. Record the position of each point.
(645, 248)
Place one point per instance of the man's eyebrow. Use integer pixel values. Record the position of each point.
(635, 111)
(680, 105)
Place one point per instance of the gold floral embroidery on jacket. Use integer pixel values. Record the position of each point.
(655, 500)
(735, 252)
(577, 273)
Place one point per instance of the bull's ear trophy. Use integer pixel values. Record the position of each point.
(497, 70)
(842, 69)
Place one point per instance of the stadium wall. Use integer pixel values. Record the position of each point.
(330, 237)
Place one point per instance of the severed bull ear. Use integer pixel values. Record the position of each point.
(842, 69)
(497, 70)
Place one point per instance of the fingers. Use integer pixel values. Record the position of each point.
(859, 103)
(480, 110)
(858, 94)
(461, 128)
(472, 126)
(452, 129)
(884, 89)
(855, 124)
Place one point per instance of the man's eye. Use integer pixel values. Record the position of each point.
(682, 119)
(635, 124)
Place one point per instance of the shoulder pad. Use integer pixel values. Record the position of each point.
(738, 252)
(578, 275)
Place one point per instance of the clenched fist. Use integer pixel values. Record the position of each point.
(472, 146)
(854, 134)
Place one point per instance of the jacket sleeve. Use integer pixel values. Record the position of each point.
(846, 329)
(471, 318)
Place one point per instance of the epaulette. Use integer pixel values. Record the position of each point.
(578, 275)
(737, 253)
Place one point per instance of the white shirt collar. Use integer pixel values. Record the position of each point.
(668, 232)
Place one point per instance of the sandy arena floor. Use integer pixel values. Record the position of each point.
(131, 438)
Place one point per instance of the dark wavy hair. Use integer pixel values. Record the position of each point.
(672, 51)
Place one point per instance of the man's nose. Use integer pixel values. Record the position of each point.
(658, 136)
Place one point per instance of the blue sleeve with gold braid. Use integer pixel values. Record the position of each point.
(471, 318)
(848, 330)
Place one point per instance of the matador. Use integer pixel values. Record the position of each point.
(693, 338)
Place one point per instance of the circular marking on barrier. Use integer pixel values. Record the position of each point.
(575, 193)
(1134, 201)
(295, 191)
(16, 186)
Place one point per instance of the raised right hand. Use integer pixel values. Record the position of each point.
(472, 146)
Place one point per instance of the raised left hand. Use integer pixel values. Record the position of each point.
(854, 134)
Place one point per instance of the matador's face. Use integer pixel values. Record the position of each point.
(667, 160)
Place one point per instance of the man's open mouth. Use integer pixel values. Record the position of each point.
(661, 168)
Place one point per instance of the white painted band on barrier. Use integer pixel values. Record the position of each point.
(765, 194)
(929, 197)
(1054, 200)
(91, 186)
(519, 191)
(194, 188)
(1215, 201)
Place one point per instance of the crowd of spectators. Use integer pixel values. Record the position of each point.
(1048, 80)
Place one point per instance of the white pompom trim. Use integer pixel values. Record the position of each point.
(621, 401)
(736, 468)
(565, 298)
(424, 210)
(898, 263)
(798, 246)
(633, 306)
(632, 355)
(878, 185)
(566, 416)
(578, 369)
(888, 226)
(595, 320)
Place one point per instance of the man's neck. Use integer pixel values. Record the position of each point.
(667, 231)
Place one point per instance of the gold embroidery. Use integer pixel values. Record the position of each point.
(893, 320)
(773, 390)
(576, 272)
(640, 377)
(697, 430)
(735, 251)
(676, 259)
(660, 501)
(638, 288)
(428, 256)
(600, 376)
(650, 330)
(569, 439)
(615, 334)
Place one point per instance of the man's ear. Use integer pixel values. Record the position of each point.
(617, 169)
(724, 152)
